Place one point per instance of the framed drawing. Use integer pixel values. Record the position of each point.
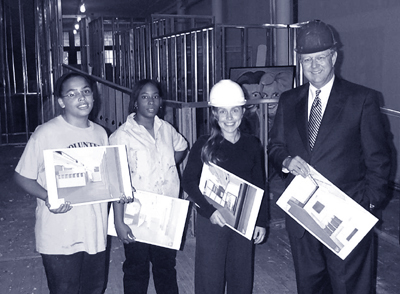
(254, 74)
(87, 175)
(262, 83)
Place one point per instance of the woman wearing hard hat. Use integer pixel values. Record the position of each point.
(224, 257)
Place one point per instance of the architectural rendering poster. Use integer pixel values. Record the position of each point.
(326, 212)
(238, 201)
(154, 219)
(87, 175)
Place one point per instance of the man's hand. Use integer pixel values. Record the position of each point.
(296, 166)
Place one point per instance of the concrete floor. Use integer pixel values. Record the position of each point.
(21, 269)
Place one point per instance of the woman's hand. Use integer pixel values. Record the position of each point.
(217, 219)
(259, 234)
(124, 233)
(125, 199)
(63, 208)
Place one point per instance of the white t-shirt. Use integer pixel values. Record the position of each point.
(151, 160)
(83, 228)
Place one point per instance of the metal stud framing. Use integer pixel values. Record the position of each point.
(187, 54)
(26, 98)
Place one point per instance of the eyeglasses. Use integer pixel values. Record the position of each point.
(75, 93)
(319, 59)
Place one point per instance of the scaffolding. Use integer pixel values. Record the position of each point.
(187, 54)
(29, 65)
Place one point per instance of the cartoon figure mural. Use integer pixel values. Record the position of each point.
(262, 83)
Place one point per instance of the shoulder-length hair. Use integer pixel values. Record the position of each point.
(210, 151)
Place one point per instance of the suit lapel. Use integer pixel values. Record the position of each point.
(302, 117)
(333, 109)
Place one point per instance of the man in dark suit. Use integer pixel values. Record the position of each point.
(348, 146)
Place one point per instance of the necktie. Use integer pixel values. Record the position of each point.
(315, 119)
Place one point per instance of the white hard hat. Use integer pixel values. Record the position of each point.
(226, 93)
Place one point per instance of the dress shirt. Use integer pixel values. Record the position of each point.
(324, 95)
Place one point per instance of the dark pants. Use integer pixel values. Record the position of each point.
(80, 272)
(320, 271)
(223, 257)
(137, 269)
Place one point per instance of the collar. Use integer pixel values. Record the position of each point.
(131, 122)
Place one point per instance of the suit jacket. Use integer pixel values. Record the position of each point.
(351, 149)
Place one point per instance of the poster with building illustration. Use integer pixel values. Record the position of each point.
(238, 200)
(86, 175)
(326, 212)
(154, 219)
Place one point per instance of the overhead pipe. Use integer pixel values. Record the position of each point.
(282, 13)
(217, 11)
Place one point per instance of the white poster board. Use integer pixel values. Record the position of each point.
(238, 200)
(326, 212)
(86, 175)
(154, 219)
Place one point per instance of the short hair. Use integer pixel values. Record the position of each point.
(138, 87)
(61, 80)
(331, 50)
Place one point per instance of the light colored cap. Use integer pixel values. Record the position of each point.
(226, 93)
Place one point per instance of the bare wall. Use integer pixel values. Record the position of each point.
(369, 33)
